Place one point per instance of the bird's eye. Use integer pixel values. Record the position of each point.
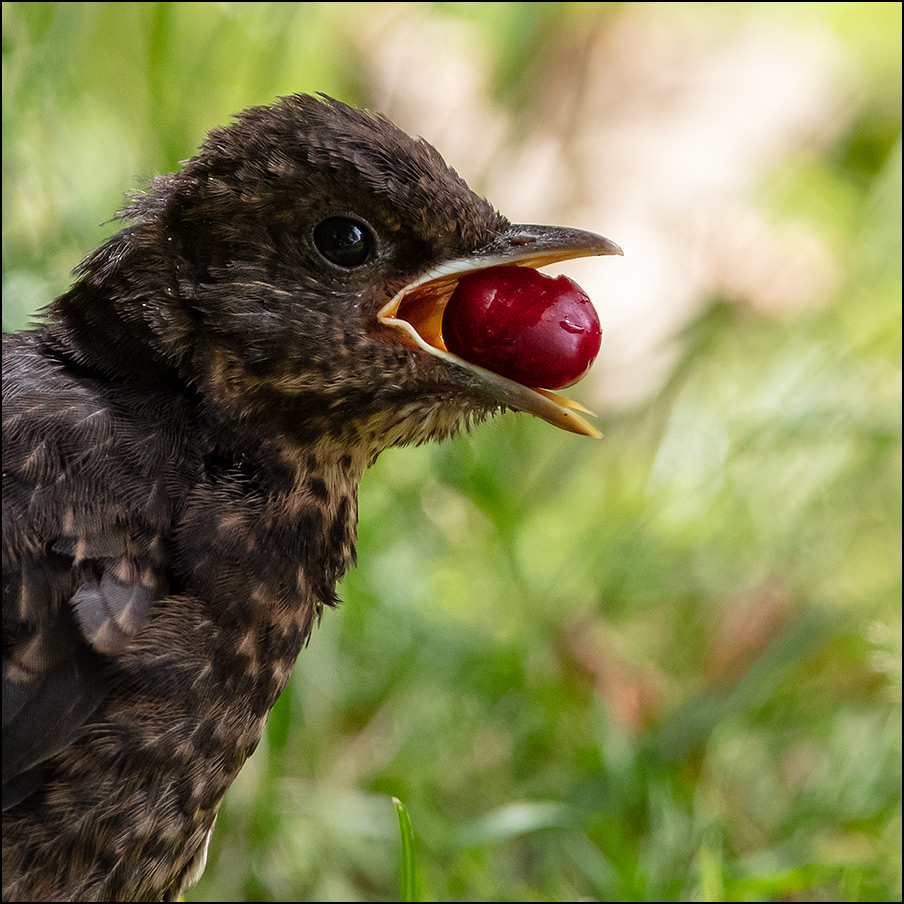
(344, 242)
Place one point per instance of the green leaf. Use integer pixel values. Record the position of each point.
(409, 881)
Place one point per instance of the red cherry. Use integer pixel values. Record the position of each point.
(536, 329)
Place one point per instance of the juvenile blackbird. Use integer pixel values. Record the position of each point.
(183, 438)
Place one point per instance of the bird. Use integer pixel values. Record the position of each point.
(184, 432)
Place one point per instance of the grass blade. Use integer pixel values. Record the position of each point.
(409, 882)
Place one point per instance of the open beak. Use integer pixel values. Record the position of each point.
(417, 311)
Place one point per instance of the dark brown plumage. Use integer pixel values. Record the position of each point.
(183, 438)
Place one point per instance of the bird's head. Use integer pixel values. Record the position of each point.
(299, 265)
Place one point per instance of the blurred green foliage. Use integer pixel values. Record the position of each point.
(663, 666)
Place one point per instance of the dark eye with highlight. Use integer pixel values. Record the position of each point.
(344, 242)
